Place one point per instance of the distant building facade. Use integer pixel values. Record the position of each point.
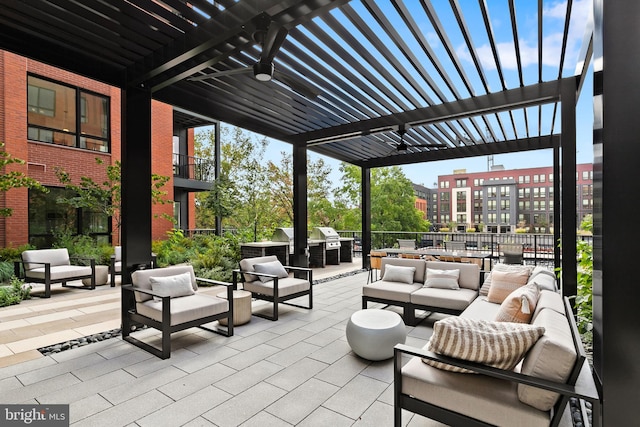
(500, 200)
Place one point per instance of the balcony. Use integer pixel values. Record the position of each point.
(192, 173)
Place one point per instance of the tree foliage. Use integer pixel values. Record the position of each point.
(105, 197)
(392, 199)
(14, 179)
(255, 194)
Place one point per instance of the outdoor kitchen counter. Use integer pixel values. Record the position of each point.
(256, 249)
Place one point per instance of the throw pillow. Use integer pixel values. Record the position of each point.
(518, 306)
(503, 283)
(174, 286)
(398, 273)
(442, 279)
(484, 290)
(273, 267)
(498, 344)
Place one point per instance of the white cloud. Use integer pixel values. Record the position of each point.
(551, 44)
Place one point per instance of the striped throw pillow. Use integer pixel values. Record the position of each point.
(498, 344)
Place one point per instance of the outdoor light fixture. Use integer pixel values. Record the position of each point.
(263, 71)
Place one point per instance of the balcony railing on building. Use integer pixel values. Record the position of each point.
(193, 168)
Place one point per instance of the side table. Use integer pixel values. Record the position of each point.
(102, 276)
(241, 307)
(372, 333)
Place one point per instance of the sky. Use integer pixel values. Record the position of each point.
(427, 173)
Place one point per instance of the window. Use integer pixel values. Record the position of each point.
(504, 204)
(41, 101)
(491, 205)
(52, 117)
(585, 175)
(47, 216)
(460, 183)
(536, 178)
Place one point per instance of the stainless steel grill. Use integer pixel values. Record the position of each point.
(328, 234)
(284, 234)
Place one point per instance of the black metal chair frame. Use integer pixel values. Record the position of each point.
(277, 299)
(130, 318)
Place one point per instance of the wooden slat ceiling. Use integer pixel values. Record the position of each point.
(376, 66)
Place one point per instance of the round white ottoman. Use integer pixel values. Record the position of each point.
(373, 333)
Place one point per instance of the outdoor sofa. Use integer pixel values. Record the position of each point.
(398, 288)
(548, 371)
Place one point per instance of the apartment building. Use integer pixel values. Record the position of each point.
(501, 200)
(53, 119)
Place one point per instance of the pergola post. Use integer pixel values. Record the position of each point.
(366, 215)
(135, 180)
(568, 187)
(616, 152)
(300, 258)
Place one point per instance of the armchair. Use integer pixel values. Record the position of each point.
(167, 299)
(269, 280)
(54, 266)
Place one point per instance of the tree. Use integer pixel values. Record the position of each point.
(240, 194)
(392, 199)
(105, 197)
(14, 178)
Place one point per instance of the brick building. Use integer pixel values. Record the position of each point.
(503, 200)
(52, 119)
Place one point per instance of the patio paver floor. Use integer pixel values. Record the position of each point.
(299, 370)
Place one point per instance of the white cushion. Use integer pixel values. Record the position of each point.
(59, 256)
(498, 344)
(172, 286)
(59, 272)
(185, 309)
(552, 358)
(286, 286)
(519, 305)
(397, 273)
(271, 267)
(443, 279)
(545, 279)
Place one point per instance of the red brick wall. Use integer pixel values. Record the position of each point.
(162, 164)
(42, 158)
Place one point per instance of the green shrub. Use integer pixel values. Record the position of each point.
(14, 292)
(584, 297)
(6, 271)
(83, 246)
(13, 254)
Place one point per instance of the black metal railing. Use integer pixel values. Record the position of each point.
(195, 168)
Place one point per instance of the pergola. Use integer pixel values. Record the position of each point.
(374, 84)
